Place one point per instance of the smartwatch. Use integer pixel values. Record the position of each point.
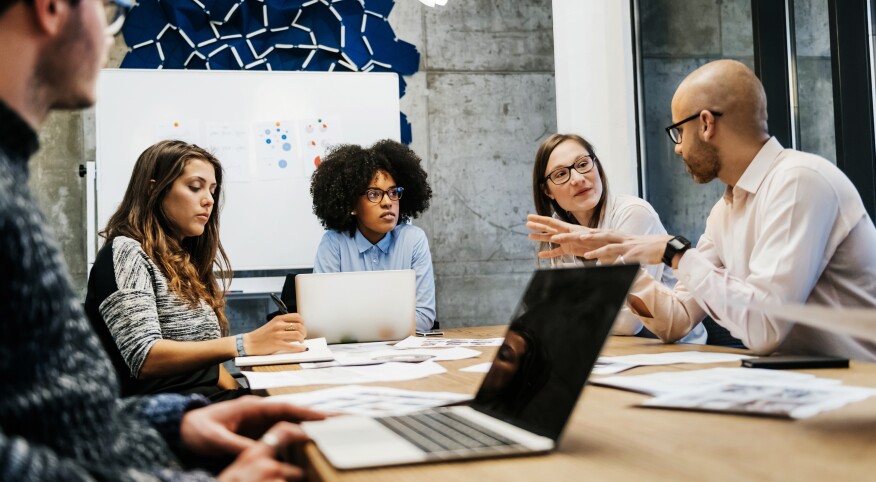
(676, 245)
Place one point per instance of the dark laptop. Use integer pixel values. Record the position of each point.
(528, 395)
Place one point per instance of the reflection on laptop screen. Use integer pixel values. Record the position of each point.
(551, 345)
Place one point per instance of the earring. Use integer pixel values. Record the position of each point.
(352, 213)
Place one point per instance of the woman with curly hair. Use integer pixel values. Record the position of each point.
(365, 198)
(153, 296)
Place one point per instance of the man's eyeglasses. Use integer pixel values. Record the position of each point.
(116, 11)
(376, 195)
(561, 175)
(675, 134)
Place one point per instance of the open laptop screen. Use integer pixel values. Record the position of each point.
(551, 345)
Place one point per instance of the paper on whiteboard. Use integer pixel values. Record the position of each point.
(277, 150)
(318, 135)
(856, 322)
(230, 144)
(185, 130)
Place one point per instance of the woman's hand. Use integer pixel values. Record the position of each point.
(543, 227)
(546, 229)
(284, 333)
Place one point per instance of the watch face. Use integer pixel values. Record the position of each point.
(675, 246)
(679, 242)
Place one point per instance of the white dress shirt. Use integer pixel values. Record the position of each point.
(793, 229)
(632, 215)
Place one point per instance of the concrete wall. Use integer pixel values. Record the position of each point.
(481, 103)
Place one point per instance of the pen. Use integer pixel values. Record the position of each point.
(280, 304)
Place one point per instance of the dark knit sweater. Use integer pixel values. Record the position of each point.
(60, 414)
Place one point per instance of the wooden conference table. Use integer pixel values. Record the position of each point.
(610, 439)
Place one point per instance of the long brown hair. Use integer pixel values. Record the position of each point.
(188, 265)
(546, 206)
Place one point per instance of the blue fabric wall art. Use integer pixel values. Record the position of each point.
(314, 35)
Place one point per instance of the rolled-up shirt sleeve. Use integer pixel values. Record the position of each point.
(674, 312)
(635, 219)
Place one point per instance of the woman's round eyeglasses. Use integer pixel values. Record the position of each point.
(561, 175)
(376, 195)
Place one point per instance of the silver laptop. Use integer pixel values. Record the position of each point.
(528, 395)
(358, 306)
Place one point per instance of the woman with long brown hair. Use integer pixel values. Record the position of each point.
(153, 295)
(570, 192)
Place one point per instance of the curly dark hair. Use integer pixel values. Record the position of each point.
(348, 169)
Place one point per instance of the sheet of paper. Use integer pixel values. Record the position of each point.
(673, 358)
(370, 401)
(677, 382)
(479, 368)
(186, 130)
(790, 400)
(387, 372)
(432, 342)
(230, 143)
(278, 150)
(359, 348)
(390, 355)
(317, 350)
(610, 368)
(857, 322)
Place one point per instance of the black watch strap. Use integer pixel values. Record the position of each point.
(676, 245)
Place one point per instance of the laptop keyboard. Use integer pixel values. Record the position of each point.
(441, 431)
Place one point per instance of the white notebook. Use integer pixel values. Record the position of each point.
(317, 350)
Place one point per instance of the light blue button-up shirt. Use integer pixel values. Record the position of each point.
(405, 247)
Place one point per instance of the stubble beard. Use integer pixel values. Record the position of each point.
(706, 167)
(63, 74)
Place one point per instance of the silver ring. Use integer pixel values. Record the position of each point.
(271, 440)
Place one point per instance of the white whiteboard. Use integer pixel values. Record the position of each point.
(266, 220)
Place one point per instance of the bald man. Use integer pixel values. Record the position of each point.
(790, 228)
